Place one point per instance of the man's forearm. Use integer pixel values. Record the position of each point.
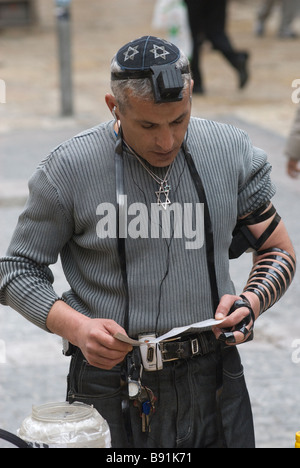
(95, 337)
(274, 267)
(271, 276)
(66, 322)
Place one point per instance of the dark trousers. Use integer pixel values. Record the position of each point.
(207, 21)
(186, 413)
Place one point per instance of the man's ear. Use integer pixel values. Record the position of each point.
(111, 103)
(192, 87)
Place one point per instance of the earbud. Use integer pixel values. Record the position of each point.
(114, 113)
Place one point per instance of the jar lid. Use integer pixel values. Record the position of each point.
(62, 412)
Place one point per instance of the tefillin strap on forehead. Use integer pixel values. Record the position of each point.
(155, 59)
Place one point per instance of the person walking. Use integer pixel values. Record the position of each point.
(289, 10)
(207, 22)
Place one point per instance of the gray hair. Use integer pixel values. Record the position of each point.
(141, 88)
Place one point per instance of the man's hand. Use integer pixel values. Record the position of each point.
(235, 318)
(293, 168)
(99, 346)
(95, 337)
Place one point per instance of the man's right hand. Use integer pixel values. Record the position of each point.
(99, 346)
(95, 337)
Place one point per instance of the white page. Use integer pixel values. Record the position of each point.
(171, 333)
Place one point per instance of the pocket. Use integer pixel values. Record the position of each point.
(235, 403)
(234, 385)
(86, 381)
(232, 365)
(103, 390)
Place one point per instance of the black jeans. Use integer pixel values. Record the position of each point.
(186, 414)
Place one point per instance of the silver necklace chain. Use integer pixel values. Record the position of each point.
(162, 195)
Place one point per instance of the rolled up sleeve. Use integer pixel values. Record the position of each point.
(256, 186)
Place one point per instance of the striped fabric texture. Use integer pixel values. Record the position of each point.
(71, 208)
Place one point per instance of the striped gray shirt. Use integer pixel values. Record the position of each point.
(70, 213)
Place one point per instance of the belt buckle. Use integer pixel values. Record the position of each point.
(195, 346)
(164, 351)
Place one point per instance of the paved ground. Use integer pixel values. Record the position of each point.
(34, 370)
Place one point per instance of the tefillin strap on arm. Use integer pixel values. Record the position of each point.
(274, 270)
(243, 239)
(271, 276)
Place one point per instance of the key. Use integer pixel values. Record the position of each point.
(147, 407)
(143, 422)
(145, 402)
(143, 395)
(146, 411)
(137, 404)
(152, 398)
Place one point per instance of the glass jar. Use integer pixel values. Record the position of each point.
(61, 425)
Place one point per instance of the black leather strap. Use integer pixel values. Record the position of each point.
(243, 239)
(13, 439)
(209, 237)
(271, 276)
(188, 346)
(120, 192)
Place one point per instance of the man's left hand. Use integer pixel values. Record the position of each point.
(238, 327)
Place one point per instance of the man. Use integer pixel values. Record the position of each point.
(142, 210)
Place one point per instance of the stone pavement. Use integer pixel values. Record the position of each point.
(34, 370)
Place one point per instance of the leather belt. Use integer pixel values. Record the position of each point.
(183, 347)
(188, 346)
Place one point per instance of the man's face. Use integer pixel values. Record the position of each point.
(156, 131)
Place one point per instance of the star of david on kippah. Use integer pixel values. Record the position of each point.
(162, 54)
(130, 53)
(145, 52)
(156, 59)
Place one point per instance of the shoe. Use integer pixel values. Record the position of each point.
(242, 68)
(287, 34)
